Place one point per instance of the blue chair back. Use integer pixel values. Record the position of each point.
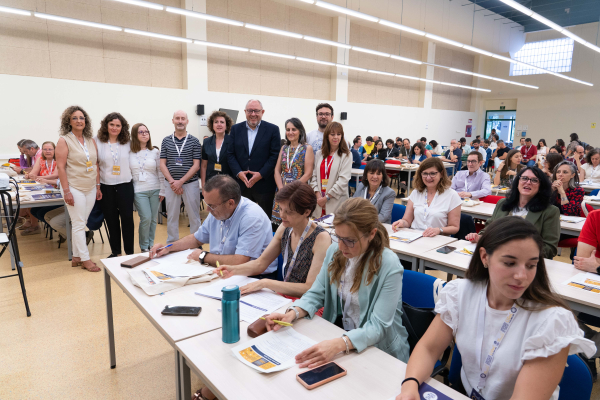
(362, 166)
(595, 192)
(435, 155)
(398, 212)
(458, 165)
(417, 289)
(94, 221)
(577, 380)
(488, 151)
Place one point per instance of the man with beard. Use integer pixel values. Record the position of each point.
(324, 117)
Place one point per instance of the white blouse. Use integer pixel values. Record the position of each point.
(352, 310)
(106, 162)
(436, 215)
(591, 173)
(150, 160)
(533, 334)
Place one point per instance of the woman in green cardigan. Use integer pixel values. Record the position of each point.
(361, 290)
(529, 198)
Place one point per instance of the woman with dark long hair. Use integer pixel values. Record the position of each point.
(509, 168)
(507, 307)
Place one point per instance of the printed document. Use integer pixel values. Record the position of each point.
(467, 250)
(406, 235)
(586, 281)
(179, 257)
(575, 220)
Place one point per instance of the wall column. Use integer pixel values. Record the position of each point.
(426, 96)
(339, 76)
(195, 70)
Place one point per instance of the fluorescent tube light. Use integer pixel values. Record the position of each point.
(347, 11)
(143, 3)
(219, 45)
(377, 53)
(498, 56)
(476, 50)
(268, 53)
(275, 31)
(158, 35)
(381, 72)
(547, 22)
(518, 7)
(401, 27)
(350, 67)
(444, 40)
(428, 80)
(314, 61)
(414, 78)
(11, 10)
(308, 1)
(461, 71)
(78, 22)
(410, 60)
(449, 84)
(195, 14)
(329, 42)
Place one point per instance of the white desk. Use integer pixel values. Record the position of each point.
(590, 188)
(372, 374)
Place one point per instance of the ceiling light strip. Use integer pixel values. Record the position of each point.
(195, 14)
(143, 3)
(17, 11)
(347, 11)
(158, 35)
(272, 30)
(77, 21)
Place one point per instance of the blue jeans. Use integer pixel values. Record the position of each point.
(146, 204)
(529, 163)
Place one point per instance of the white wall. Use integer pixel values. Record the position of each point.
(31, 108)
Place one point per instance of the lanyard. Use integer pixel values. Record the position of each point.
(346, 304)
(218, 151)
(426, 210)
(289, 164)
(83, 146)
(466, 180)
(224, 237)
(182, 146)
(374, 196)
(51, 167)
(389, 152)
(293, 260)
(328, 167)
(489, 358)
(115, 154)
(143, 162)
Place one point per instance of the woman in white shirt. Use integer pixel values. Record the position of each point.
(432, 206)
(506, 287)
(116, 182)
(591, 168)
(148, 183)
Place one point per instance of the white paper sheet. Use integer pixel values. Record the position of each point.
(179, 257)
(575, 220)
(470, 248)
(255, 305)
(182, 270)
(585, 281)
(214, 291)
(406, 235)
(273, 351)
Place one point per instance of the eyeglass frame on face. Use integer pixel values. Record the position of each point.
(526, 179)
(144, 133)
(347, 242)
(429, 174)
(324, 114)
(472, 161)
(250, 112)
(213, 208)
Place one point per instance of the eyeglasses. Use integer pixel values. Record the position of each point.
(347, 242)
(324, 114)
(472, 161)
(429, 174)
(257, 112)
(214, 207)
(143, 133)
(526, 179)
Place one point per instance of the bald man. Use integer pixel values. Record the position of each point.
(180, 155)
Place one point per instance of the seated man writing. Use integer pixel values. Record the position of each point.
(237, 229)
(474, 182)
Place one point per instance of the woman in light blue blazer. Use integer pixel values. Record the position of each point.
(375, 188)
(360, 286)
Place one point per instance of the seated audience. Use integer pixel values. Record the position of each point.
(530, 198)
(332, 171)
(506, 286)
(405, 150)
(362, 273)
(367, 148)
(500, 153)
(398, 143)
(588, 148)
(591, 168)
(555, 149)
(474, 182)
(378, 151)
(542, 150)
(436, 147)
(237, 230)
(561, 145)
(424, 141)
(417, 153)
(433, 206)
(552, 160)
(566, 193)
(390, 151)
(574, 143)
(356, 159)
(529, 153)
(522, 143)
(508, 169)
(477, 147)
(578, 156)
(375, 188)
(24, 159)
(33, 153)
(453, 154)
(494, 138)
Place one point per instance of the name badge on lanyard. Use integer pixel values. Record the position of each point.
(325, 180)
(178, 159)
(347, 322)
(218, 167)
(88, 164)
(51, 167)
(116, 170)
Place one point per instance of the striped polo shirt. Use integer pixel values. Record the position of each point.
(192, 151)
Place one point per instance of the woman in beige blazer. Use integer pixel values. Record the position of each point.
(332, 171)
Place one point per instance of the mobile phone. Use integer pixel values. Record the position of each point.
(320, 375)
(182, 310)
(446, 249)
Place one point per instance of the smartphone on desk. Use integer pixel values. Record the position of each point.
(320, 375)
(446, 249)
(182, 310)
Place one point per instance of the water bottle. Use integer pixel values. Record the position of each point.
(230, 306)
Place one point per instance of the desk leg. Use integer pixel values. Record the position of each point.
(69, 233)
(10, 249)
(422, 266)
(408, 185)
(109, 318)
(184, 384)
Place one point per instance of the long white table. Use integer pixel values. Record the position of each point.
(372, 374)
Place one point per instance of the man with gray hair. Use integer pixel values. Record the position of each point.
(252, 155)
(236, 229)
(32, 150)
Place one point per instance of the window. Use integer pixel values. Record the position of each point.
(554, 55)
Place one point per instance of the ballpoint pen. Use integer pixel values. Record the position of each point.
(218, 266)
(278, 322)
(167, 246)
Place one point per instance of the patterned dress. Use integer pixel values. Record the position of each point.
(296, 170)
(304, 258)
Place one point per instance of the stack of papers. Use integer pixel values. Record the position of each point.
(273, 351)
(593, 198)
(326, 220)
(179, 257)
(253, 305)
(574, 220)
(470, 203)
(46, 196)
(586, 281)
(467, 250)
(165, 272)
(406, 235)
(39, 187)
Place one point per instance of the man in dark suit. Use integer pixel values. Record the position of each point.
(252, 155)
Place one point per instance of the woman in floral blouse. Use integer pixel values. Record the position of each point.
(567, 194)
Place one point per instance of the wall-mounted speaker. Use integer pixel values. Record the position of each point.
(200, 109)
(344, 116)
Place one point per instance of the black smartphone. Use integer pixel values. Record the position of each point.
(446, 249)
(182, 310)
(320, 375)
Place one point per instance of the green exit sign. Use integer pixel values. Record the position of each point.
(503, 107)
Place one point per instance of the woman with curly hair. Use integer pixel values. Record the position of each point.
(77, 164)
(116, 181)
(214, 148)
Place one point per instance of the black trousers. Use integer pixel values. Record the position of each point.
(264, 200)
(117, 207)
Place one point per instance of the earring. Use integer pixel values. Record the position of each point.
(485, 266)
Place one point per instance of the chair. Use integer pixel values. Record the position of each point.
(455, 367)
(418, 301)
(435, 155)
(570, 243)
(595, 192)
(577, 380)
(491, 199)
(398, 212)
(96, 220)
(395, 175)
(488, 153)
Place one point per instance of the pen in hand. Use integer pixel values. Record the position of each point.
(278, 322)
(218, 266)
(165, 247)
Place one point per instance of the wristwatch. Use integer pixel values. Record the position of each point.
(328, 198)
(202, 256)
(598, 270)
(441, 231)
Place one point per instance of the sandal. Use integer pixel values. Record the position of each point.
(93, 268)
(76, 263)
(198, 395)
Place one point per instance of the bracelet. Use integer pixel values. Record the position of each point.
(410, 379)
(346, 342)
(294, 309)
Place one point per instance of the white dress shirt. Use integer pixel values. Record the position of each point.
(436, 215)
(252, 136)
(106, 162)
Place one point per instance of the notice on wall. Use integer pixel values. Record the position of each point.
(593, 125)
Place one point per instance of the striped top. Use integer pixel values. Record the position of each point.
(192, 151)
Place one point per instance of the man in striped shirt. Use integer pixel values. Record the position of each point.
(180, 156)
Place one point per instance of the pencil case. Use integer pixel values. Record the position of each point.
(257, 328)
(134, 262)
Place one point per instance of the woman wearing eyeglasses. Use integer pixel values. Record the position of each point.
(148, 183)
(530, 198)
(433, 206)
(360, 286)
